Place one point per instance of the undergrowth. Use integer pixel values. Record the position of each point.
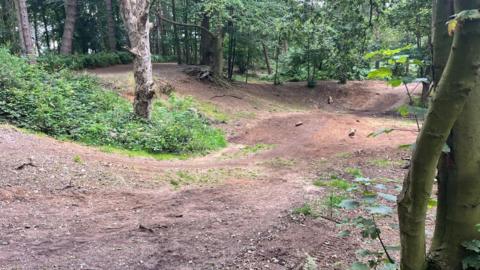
(54, 61)
(72, 107)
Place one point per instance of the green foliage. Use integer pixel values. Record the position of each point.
(54, 62)
(472, 260)
(305, 209)
(76, 108)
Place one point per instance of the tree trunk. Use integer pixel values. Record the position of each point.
(459, 184)
(69, 27)
(205, 42)
(25, 33)
(217, 57)
(267, 60)
(135, 17)
(175, 35)
(441, 41)
(36, 32)
(45, 27)
(453, 107)
(112, 42)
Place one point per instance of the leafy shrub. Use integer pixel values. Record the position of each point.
(73, 107)
(163, 59)
(54, 61)
(83, 61)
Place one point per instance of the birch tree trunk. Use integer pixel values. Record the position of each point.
(25, 33)
(112, 42)
(69, 27)
(135, 17)
(454, 109)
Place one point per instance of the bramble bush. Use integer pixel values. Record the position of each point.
(73, 107)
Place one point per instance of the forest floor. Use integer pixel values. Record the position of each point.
(78, 207)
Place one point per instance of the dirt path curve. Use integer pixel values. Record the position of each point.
(109, 211)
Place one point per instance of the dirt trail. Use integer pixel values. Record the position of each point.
(109, 211)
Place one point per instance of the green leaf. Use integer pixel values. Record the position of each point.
(407, 146)
(388, 197)
(471, 262)
(395, 82)
(380, 132)
(388, 266)
(380, 74)
(473, 245)
(345, 233)
(432, 203)
(380, 210)
(349, 204)
(359, 266)
(403, 111)
(446, 149)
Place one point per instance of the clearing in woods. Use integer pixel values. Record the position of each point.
(78, 207)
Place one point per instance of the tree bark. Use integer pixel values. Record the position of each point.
(216, 65)
(458, 181)
(25, 33)
(112, 42)
(69, 27)
(452, 106)
(217, 58)
(441, 41)
(205, 42)
(267, 60)
(178, 51)
(135, 17)
(45, 27)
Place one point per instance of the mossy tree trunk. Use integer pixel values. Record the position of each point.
(135, 17)
(452, 109)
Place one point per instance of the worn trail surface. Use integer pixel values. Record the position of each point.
(76, 207)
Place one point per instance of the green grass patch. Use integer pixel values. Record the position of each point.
(72, 107)
(211, 111)
(355, 172)
(259, 147)
(306, 209)
(77, 159)
(333, 201)
(180, 178)
(280, 162)
(384, 163)
(334, 182)
(157, 156)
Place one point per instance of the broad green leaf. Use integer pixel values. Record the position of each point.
(403, 111)
(452, 25)
(432, 203)
(388, 266)
(381, 73)
(395, 82)
(471, 262)
(380, 210)
(359, 266)
(349, 204)
(473, 245)
(388, 197)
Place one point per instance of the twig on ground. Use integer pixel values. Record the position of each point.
(220, 96)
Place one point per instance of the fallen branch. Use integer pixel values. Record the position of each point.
(24, 165)
(220, 96)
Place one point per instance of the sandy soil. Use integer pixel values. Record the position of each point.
(76, 207)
